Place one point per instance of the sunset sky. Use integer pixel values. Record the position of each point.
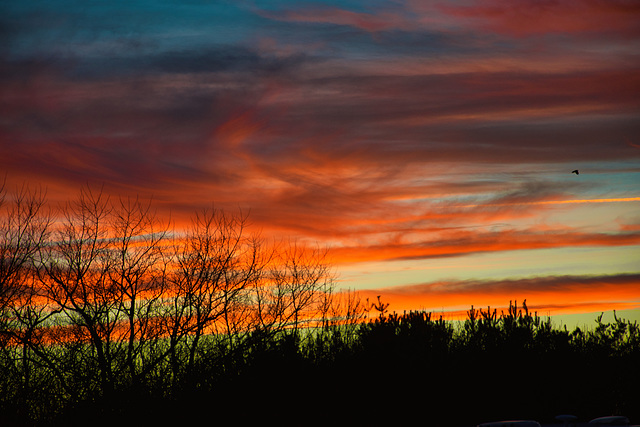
(429, 144)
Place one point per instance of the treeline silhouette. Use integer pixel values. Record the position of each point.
(109, 316)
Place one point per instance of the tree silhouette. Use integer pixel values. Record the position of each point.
(213, 266)
(107, 312)
(380, 307)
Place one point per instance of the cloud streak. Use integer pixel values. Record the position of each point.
(548, 295)
(559, 202)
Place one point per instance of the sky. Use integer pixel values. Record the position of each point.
(428, 144)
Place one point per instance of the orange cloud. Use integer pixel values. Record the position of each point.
(458, 243)
(553, 295)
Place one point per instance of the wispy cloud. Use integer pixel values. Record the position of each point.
(557, 202)
(463, 243)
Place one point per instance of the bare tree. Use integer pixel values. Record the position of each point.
(294, 291)
(76, 273)
(137, 276)
(25, 316)
(214, 263)
(104, 297)
(24, 228)
(343, 309)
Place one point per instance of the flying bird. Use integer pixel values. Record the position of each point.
(576, 172)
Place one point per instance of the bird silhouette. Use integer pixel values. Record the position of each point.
(576, 172)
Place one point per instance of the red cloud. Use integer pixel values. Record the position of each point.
(534, 17)
(364, 21)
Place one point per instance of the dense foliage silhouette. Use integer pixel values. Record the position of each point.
(108, 316)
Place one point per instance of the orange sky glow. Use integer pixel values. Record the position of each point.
(429, 145)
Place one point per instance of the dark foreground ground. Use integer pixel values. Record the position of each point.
(398, 371)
